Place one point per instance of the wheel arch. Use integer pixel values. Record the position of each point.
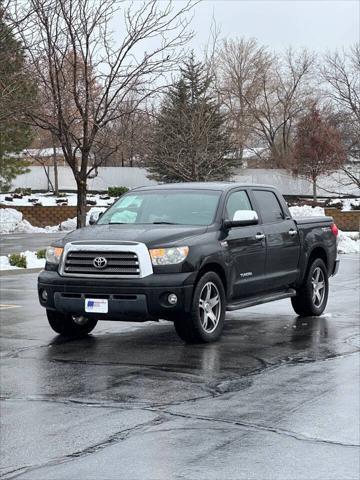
(317, 252)
(213, 267)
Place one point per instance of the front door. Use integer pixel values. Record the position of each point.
(247, 249)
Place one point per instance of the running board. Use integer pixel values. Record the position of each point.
(257, 300)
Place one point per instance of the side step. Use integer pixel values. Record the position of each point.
(258, 299)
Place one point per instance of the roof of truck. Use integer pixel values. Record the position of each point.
(202, 186)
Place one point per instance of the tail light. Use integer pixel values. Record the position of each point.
(334, 229)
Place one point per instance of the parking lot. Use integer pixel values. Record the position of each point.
(276, 397)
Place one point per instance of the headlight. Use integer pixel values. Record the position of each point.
(53, 254)
(168, 256)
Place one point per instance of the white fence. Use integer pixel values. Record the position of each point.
(134, 177)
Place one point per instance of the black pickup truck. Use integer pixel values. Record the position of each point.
(187, 253)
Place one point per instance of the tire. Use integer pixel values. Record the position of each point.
(204, 324)
(64, 324)
(308, 302)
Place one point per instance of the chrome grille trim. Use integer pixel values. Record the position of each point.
(125, 260)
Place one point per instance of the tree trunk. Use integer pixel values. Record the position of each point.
(56, 175)
(314, 190)
(81, 203)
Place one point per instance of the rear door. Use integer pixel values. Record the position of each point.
(247, 249)
(282, 241)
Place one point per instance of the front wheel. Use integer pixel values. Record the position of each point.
(205, 322)
(68, 325)
(311, 298)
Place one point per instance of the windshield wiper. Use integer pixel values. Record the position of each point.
(116, 223)
(165, 223)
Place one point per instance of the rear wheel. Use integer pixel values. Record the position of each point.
(69, 325)
(311, 298)
(206, 319)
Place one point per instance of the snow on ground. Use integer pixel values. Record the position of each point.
(349, 242)
(48, 199)
(12, 221)
(307, 211)
(31, 261)
(347, 203)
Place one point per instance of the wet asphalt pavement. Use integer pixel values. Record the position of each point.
(20, 242)
(276, 398)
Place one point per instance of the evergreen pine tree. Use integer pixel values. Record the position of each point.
(191, 141)
(16, 91)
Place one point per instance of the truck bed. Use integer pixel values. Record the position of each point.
(313, 220)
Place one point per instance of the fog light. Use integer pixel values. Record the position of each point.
(172, 299)
(44, 295)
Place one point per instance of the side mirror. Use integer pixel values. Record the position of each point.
(94, 217)
(242, 218)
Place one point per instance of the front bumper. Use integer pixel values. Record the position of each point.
(133, 300)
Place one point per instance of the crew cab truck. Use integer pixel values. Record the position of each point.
(187, 253)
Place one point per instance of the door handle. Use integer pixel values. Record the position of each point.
(292, 232)
(259, 236)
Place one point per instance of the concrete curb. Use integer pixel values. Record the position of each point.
(5, 273)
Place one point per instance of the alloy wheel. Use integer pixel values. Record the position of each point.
(318, 287)
(210, 307)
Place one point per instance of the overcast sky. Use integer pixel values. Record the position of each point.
(317, 24)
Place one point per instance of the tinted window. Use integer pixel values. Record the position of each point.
(269, 206)
(187, 207)
(237, 201)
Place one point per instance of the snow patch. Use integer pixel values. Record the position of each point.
(348, 242)
(49, 199)
(347, 203)
(11, 221)
(307, 211)
(70, 223)
(31, 261)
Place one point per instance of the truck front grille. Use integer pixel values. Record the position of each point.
(80, 262)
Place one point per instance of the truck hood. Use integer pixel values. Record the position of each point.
(151, 235)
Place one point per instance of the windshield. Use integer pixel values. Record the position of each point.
(181, 207)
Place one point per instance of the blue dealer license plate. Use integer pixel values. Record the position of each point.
(96, 305)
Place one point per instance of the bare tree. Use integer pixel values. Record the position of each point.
(285, 91)
(128, 136)
(341, 72)
(86, 73)
(240, 67)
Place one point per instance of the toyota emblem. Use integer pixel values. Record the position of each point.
(100, 262)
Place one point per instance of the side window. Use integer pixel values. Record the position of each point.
(269, 206)
(237, 201)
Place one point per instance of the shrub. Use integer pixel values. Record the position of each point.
(17, 260)
(41, 253)
(355, 207)
(117, 191)
(23, 191)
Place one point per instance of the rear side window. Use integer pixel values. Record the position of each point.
(269, 206)
(237, 201)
